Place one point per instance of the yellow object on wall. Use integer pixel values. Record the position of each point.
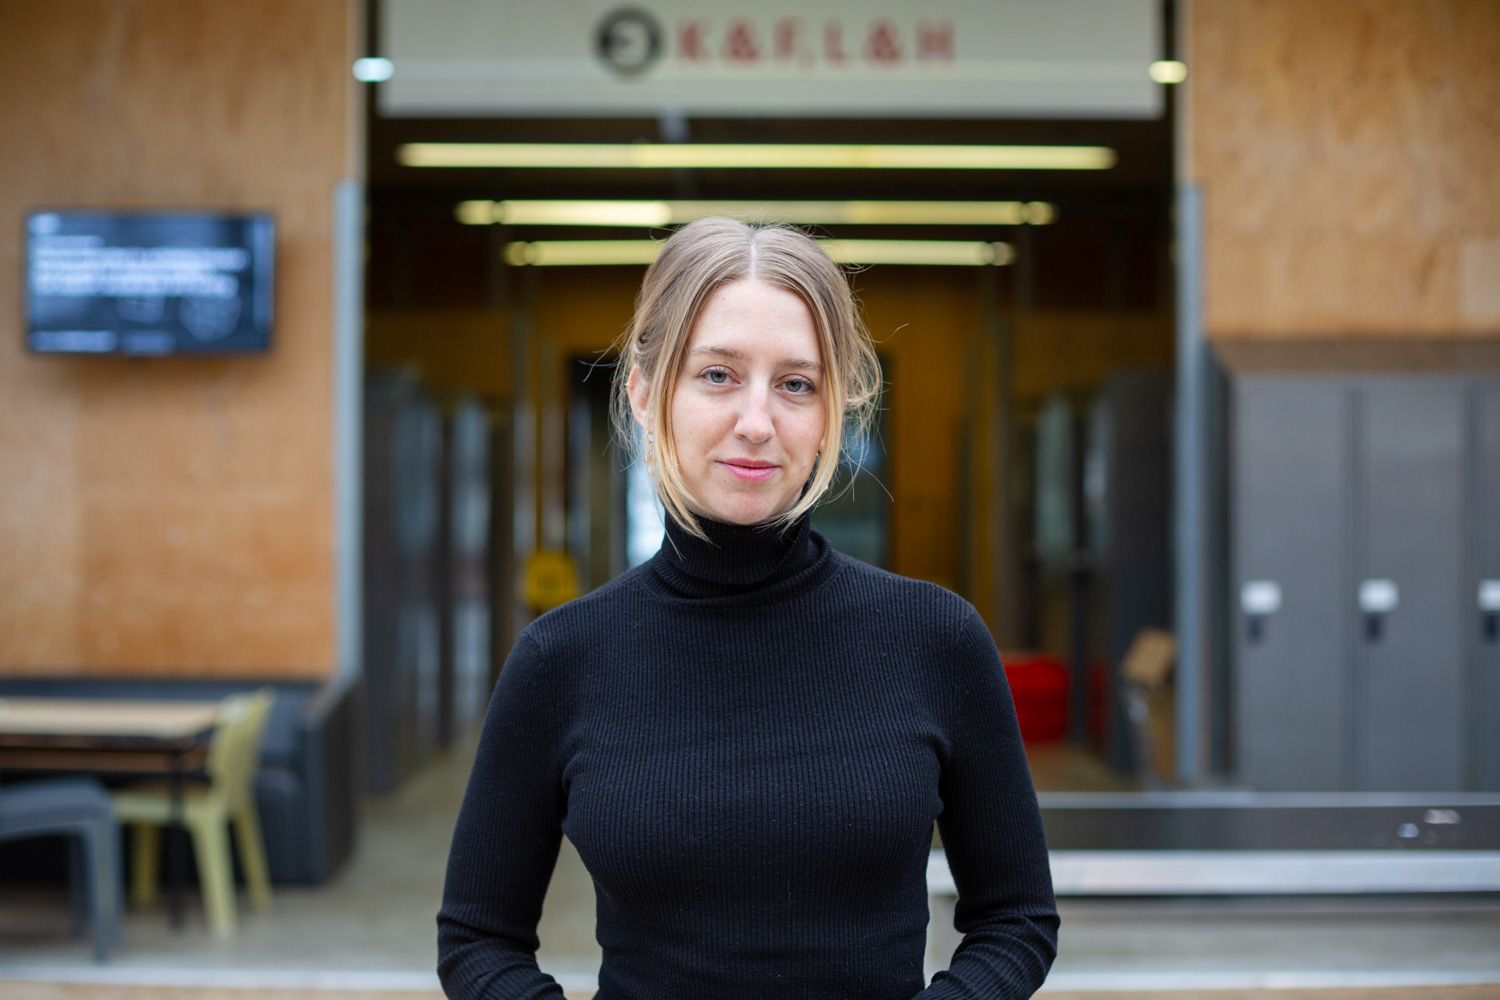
(551, 579)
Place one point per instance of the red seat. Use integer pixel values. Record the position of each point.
(1039, 686)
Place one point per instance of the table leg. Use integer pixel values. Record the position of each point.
(175, 834)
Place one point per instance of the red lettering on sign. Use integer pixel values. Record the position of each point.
(787, 35)
(935, 41)
(692, 42)
(882, 46)
(833, 42)
(740, 44)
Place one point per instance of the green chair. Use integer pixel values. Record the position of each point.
(233, 758)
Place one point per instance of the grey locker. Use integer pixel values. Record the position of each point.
(1291, 491)
(1366, 551)
(1409, 674)
(1484, 587)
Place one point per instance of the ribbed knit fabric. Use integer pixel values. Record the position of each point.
(748, 740)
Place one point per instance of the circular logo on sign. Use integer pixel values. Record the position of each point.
(628, 41)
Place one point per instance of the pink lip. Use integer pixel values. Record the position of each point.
(749, 470)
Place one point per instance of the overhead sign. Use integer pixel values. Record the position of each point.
(938, 58)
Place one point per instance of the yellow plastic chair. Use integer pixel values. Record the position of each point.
(233, 759)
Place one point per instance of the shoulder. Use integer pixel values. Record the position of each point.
(932, 641)
(564, 642)
(926, 622)
(588, 616)
(555, 653)
(903, 598)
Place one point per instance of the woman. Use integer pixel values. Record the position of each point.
(749, 737)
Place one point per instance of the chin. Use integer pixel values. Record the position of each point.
(739, 515)
(745, 510)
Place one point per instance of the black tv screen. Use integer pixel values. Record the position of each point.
(148, 283)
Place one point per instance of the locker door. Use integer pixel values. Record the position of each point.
(1291, 492)
(1409, 670)
(1485, 593)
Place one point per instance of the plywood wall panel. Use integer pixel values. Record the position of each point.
(926, 323)
(1347, 153)
(39, 556)
(173, 516)
(1074, 351)
(452, 350)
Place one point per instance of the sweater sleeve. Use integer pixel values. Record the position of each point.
(505, 842)
(992, 833)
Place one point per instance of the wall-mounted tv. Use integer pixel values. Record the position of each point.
(148, 283)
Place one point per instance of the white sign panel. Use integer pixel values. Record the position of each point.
(1002, 58)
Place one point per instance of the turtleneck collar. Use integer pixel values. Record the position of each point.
(739, 559)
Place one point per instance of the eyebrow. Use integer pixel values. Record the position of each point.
(730, 354)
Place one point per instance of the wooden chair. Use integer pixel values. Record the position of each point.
(233, 759)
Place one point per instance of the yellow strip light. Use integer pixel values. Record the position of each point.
(566, 253)
(649, 214)
(1168, 71)
(658, 156)
(952, 253)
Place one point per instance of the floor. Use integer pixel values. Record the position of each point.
(13, 990)
(371, 930)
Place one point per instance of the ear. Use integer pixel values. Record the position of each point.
(639, 391)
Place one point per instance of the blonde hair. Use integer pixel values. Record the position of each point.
(697, 260)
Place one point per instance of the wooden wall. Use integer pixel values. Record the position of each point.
(927, 324)
(173, 516)
(452, 351)
(1349, 155)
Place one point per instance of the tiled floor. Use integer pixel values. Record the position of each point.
(371, 929)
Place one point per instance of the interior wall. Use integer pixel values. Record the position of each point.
(173, 516)
(453, 351)
(926, 324)
(941, 366)
(1347, 155)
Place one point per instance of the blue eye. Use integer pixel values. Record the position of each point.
(717, 376)
(798, 385)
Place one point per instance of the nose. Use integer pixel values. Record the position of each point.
(754, 424)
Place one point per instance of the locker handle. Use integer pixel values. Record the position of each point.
(1376, 599)
(1259, 599)
(1489, 610)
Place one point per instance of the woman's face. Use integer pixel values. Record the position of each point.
(748, 411)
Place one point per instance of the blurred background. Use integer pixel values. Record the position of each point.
(1189, 312)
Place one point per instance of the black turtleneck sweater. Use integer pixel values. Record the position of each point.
(748, 740)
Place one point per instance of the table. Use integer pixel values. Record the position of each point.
(114, 736)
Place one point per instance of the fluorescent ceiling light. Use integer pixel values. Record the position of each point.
(649, 214)
(373, 69)
(1168, 71)
(952, 253)
(554, 253)
(762, 155)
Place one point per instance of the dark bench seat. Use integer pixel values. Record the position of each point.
(309, 787)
